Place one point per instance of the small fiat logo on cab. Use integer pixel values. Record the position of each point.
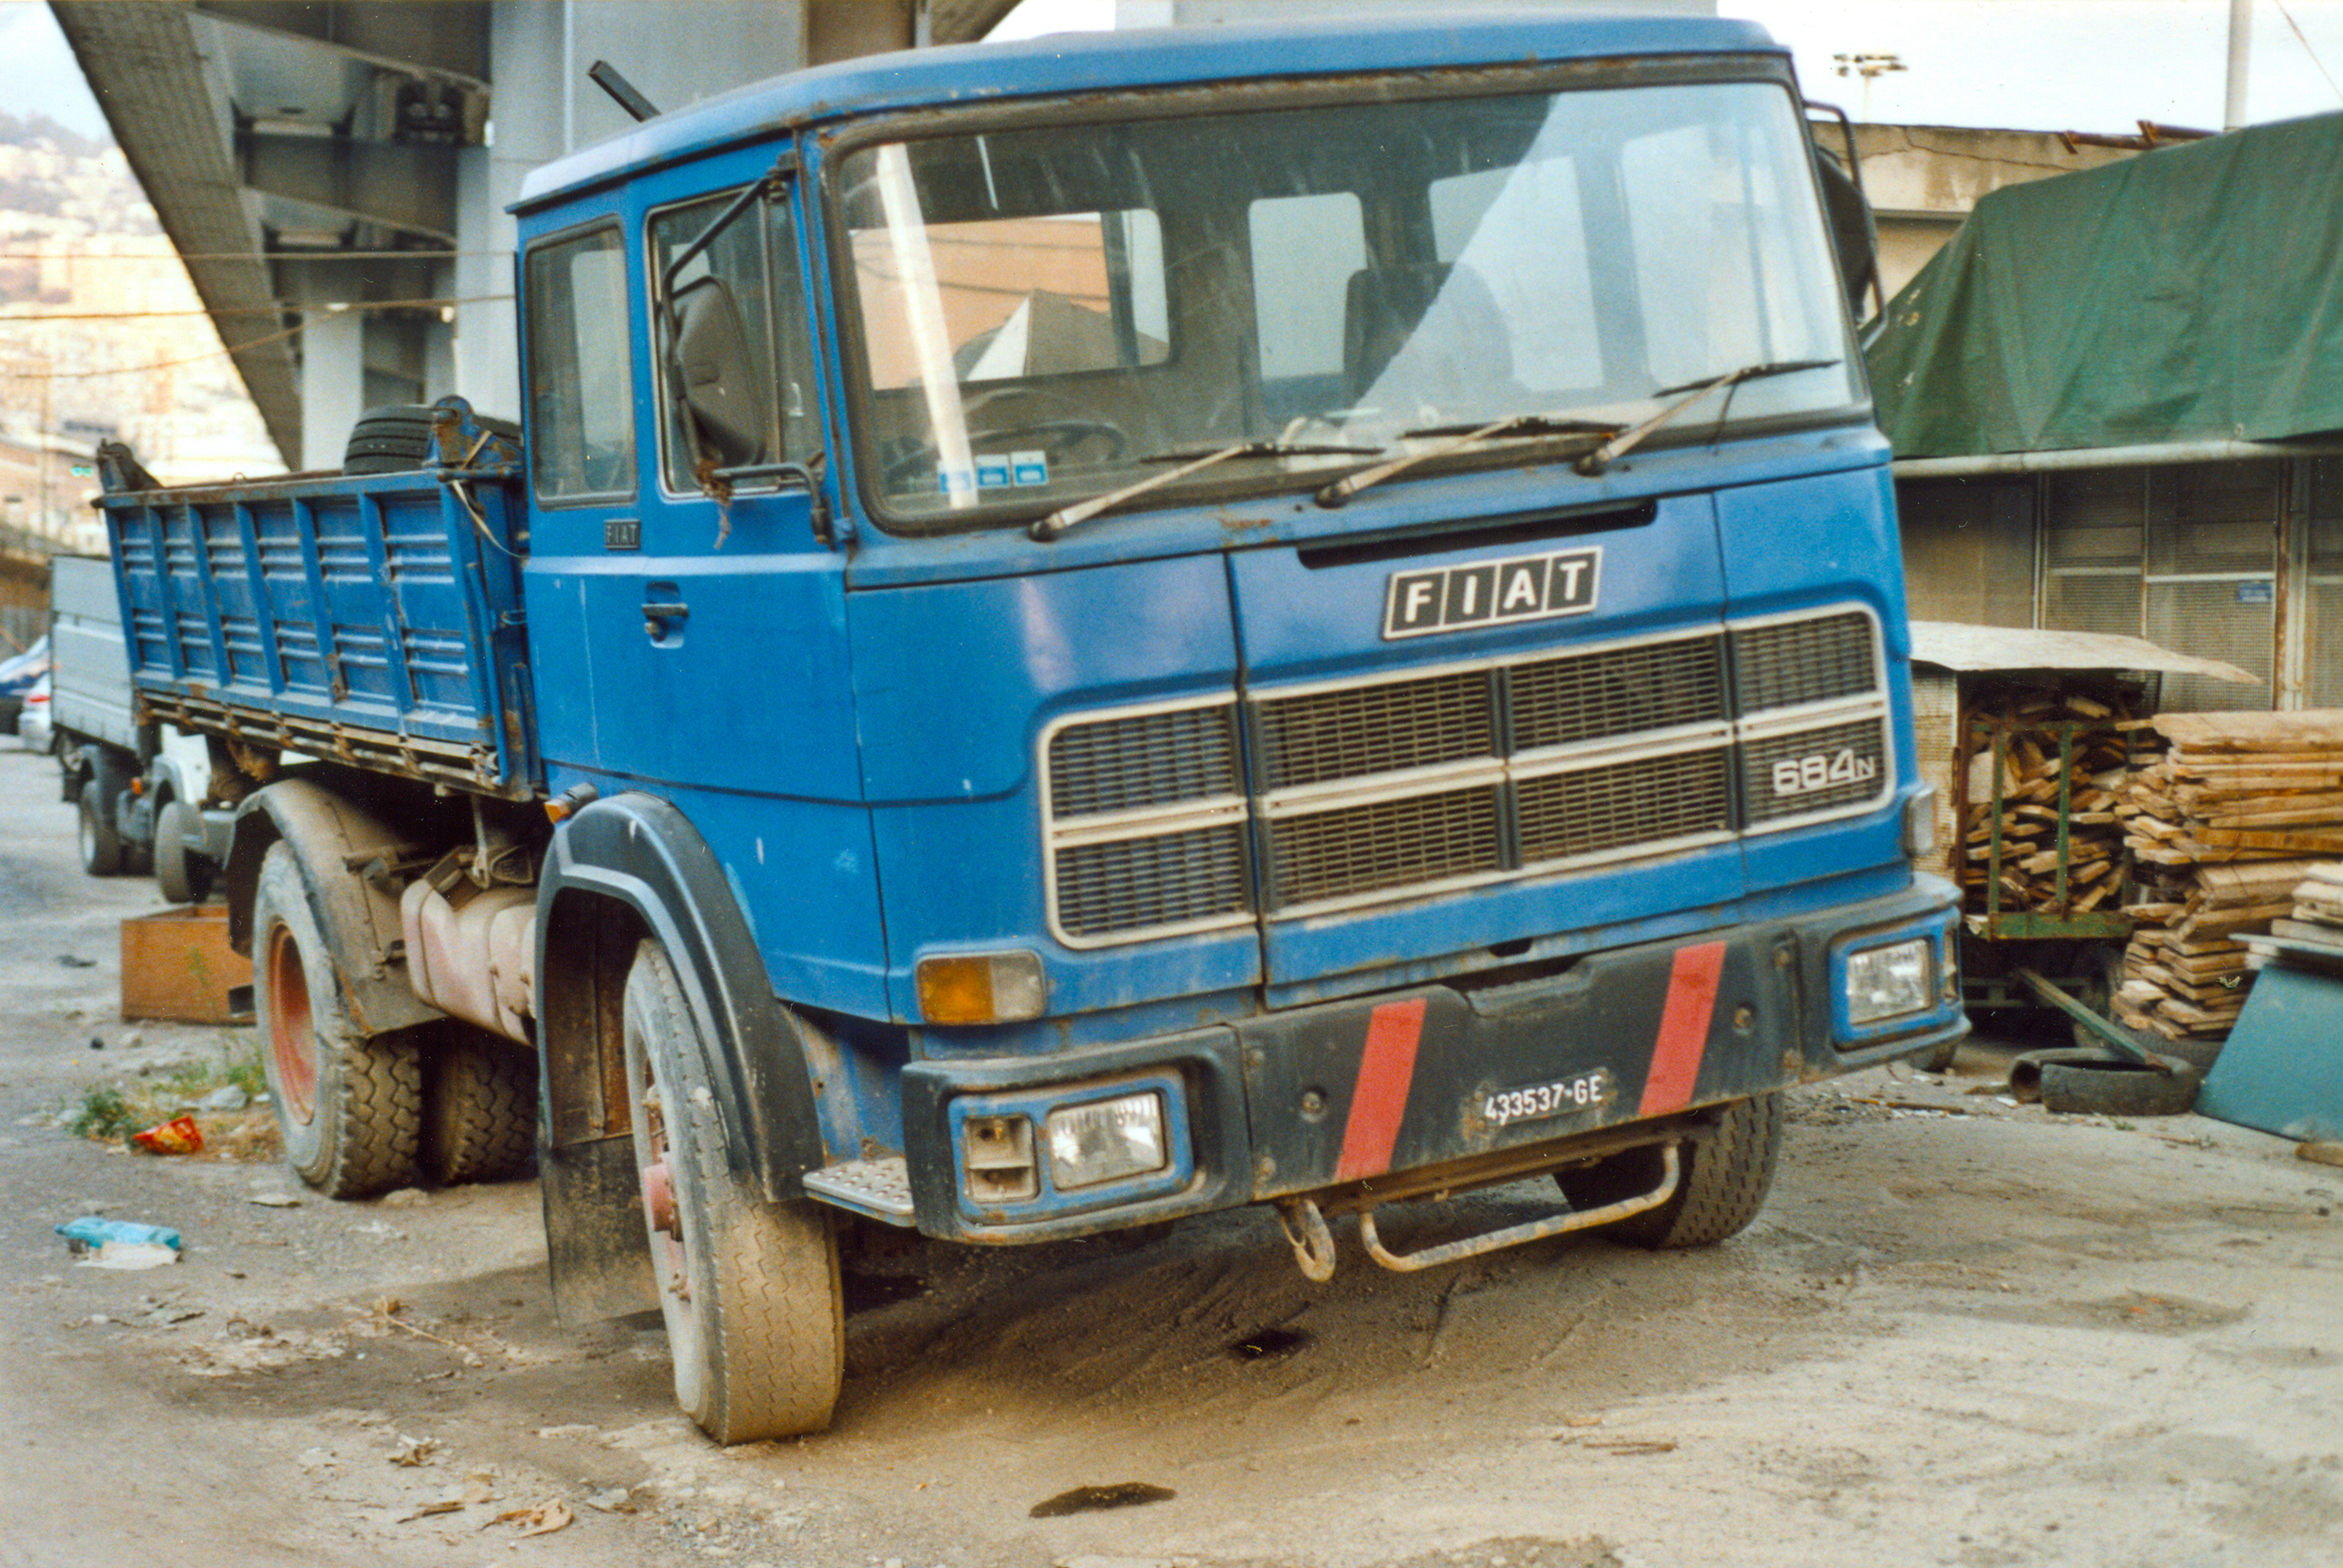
(1532, 588)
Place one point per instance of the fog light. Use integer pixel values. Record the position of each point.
(997, 1158)
(982, 988)
(1886, 982)
(1105, 1140)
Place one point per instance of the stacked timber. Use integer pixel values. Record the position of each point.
(2223, 829)
(2095, 767)
(2316, 918)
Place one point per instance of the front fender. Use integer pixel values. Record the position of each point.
(643, 853)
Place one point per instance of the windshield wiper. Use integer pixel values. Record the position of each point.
(1686, 395)
(1191, 462)
(1342, 490)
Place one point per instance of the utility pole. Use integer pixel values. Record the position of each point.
(2241, 43)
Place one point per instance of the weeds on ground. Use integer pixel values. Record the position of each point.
(110, 1113)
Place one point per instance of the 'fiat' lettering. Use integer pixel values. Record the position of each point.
(1486, 593)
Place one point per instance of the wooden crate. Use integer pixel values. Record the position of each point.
(176, 966)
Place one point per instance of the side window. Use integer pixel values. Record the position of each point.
(580, 372)
(737, 364)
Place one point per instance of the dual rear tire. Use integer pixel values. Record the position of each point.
(360, 1115)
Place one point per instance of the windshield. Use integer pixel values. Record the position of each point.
(1051, 314)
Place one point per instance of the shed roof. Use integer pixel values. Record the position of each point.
(2194, 293)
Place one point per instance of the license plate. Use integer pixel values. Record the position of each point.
(1538, 1102)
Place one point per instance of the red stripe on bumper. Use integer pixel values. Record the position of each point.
(1379, 1100)
(1683, 1029)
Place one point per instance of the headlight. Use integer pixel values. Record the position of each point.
(1105, 1140)
(1885, 982)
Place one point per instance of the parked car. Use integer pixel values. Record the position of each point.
(32, 726)
(16, 678)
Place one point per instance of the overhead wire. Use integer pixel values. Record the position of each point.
(2308, 49)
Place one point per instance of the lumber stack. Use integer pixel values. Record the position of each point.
(2316, 918)
(2223, 828)
(2030, 775)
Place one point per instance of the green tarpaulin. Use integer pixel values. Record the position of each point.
(2192, 292)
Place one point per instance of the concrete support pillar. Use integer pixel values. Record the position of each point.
(333, 384)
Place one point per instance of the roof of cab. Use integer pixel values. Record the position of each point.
(1069, 62)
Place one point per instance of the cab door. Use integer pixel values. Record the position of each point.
(710, 613)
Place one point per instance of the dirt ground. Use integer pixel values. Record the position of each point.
(1963, 1333)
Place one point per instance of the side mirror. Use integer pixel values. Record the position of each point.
(714, 375)
(1854, 230)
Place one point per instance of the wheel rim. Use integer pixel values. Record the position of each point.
(292, 1035)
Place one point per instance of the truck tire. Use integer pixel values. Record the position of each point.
(397, 438)
(101, 846)
(749, 1289)
(184, 875)
(350, 1109)
(1723, 1182)
(479, 1108)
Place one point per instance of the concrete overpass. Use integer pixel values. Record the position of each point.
(335, 174)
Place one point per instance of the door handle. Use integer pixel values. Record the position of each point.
(660, 614)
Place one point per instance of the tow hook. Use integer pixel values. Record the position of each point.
(1313, 1244)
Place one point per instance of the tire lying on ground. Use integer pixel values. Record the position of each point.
(396, 437)
(1722, 1185)
(2110, 1087)
(350, 1109)
(479, 1108)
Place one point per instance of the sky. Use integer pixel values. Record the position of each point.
(2018, 65)
(2027, 64)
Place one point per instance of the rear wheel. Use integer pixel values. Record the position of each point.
(479, 1108)
(101, 846)
(1723, 1182)
(184, 875)
(350, 1109)
(749, 1289)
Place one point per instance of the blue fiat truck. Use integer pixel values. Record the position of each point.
(1082, 633)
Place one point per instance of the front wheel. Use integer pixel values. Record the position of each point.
(1723, 1182)
(351, 1108)
(749, 1289)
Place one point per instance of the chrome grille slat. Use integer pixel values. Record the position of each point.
(1382, 728)
(1819, 659)
(1168, 879)
(1617, 691)
(1649, 800)
(1150, 759)
(1356, 849)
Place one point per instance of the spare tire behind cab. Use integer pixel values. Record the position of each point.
(396, 437)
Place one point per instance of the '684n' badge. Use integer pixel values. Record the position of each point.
(1527, 587)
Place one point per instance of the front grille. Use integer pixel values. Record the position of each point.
(1150, 759)
(1787, 663)
(1363, 730)
(1542, 762)
(1368, 848)
(1650, 801)
(1811, 771)
(1168, 879)
(1619, 691)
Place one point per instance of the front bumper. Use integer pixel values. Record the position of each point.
(1474, 1075)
